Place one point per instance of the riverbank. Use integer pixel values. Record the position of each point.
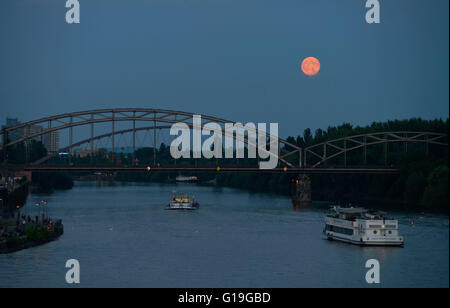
(14, 238)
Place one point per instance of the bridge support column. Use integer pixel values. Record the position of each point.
(301, 193)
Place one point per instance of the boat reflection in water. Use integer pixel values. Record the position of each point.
(182, 201)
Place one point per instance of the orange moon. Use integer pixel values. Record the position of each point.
(310, 66)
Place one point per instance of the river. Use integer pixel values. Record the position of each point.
(122, 237)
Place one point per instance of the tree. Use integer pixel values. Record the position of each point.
(414, 188)
(436, 192)
(307, 137)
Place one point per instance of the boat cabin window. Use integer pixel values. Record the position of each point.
(345, 231)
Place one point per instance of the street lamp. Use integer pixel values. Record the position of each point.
(18, 214)
(38, 204)
(44, 203)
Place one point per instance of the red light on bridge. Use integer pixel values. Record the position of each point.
(148, 168)
(285, 169)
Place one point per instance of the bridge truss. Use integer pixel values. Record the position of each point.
(159, 119)
(321, 153)
(292, 158)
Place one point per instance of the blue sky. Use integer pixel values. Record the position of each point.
(237, 60)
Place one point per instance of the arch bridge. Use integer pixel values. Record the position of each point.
(318, 158)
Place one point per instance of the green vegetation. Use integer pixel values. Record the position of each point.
(43, 182)
(32, 236)
(40, 234)
(7, 223)
(17, 153)
(46, 181)
(436, 191)
(12, 241)
(19, 197)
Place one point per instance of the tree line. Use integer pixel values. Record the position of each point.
(421, 185)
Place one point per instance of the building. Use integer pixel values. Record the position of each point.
(14, 135)
(51, 142)
(31, 130)
(12, 122)
(21, 132)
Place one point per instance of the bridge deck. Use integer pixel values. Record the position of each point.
(209, 169)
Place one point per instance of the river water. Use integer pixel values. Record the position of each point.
(122, 237)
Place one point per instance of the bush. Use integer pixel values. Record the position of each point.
(47, 182)
(414, 188)
(12, 241)
(37, 235)
(436, 193)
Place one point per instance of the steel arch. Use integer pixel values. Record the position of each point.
(320, 150)
(157, 116)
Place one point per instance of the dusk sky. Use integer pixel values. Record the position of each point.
(234, 59)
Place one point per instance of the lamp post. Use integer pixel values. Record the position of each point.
(39, 206)
(18, 214)
(44, 203)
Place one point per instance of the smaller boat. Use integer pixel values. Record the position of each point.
(181, 201)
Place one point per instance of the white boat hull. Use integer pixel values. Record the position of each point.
(379, 241)
(182, 206)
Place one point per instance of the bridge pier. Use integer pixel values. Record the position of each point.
(301, 193)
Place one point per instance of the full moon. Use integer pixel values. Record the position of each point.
(310, 66)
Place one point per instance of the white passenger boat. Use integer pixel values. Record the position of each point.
(182, 201)
(362, 227)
